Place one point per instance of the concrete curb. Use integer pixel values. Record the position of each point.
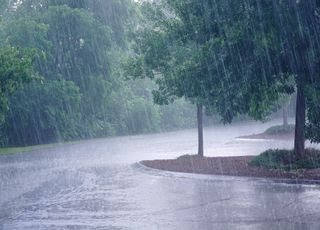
(228, 178)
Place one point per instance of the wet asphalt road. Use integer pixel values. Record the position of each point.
(97, 185)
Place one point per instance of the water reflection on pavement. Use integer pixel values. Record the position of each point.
(97, 185)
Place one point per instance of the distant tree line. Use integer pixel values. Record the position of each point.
(61, 76)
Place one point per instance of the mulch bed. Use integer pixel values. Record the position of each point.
(229, 166)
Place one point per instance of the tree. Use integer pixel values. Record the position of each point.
(163, 55)
(16, 69)
(78, 45)
(75, 46)
(303, 55)
(3, 5)
(245, 54)
(200, 50)
(290, 33)
(51, 113)
(284, 42)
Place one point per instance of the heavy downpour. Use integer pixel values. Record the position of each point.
(159, 114)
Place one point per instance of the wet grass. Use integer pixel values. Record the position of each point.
(14, 150)
(280, 129)
(284, 160)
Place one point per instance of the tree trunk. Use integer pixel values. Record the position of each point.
(200, 129)
(285, 115)
(299, 139)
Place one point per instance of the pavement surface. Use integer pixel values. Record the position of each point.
(97, 184)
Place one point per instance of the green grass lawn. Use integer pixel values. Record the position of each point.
(13, 150)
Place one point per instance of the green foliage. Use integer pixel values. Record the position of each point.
(114, 13)
(43, 112)
(3, 6)
(160, 55)
(204, 53)
(313, 111)
(284, 160)
(234, 57)
(280, 129)
(16, 69)
(28, 33)
(76, 47)
(80, 44)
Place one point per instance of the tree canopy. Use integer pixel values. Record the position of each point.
(76, 47)
(16, 68)
(236, 57)
(232, 57)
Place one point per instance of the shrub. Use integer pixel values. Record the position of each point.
(283, 160)
(280, 129)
